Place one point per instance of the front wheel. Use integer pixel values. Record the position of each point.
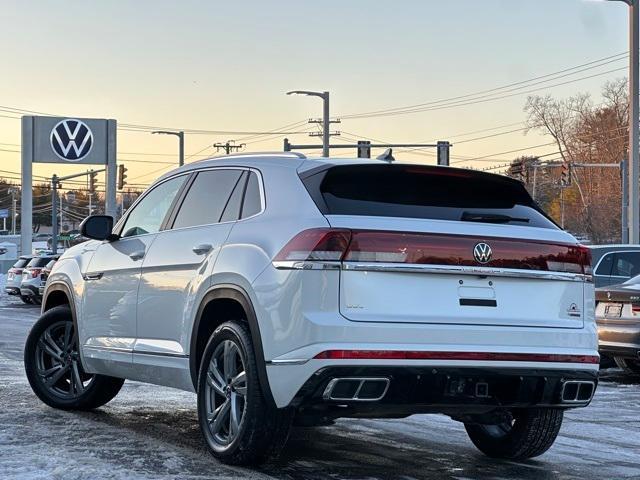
(53, 367)
(526, 434)
(628, 364)
(240, 427)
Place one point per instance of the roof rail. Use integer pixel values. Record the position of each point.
(260, 154)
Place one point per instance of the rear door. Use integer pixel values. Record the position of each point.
(176, 269)
(438, 245)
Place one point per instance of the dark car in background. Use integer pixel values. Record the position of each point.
(45, 274)
(618, 320)
(614, 264)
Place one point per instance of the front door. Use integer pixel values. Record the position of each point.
(110, 297)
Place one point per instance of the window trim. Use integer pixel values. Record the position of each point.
(119, 227)
(263, 204)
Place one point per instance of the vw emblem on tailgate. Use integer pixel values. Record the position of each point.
(482, 253)
(71, 140)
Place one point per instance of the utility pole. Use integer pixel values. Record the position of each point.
(180, 135)
(326, 121)
(633, 167)
(624, 221)
(229, 146)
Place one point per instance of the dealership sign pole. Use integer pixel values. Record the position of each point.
(65, 140)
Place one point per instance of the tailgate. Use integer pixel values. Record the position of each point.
(418, 271)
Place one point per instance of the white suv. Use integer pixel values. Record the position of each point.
(288, 290)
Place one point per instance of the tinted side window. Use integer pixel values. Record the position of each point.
(207, 198)
(604, 267)
(626, 264)
(148, 215)
(252, 200)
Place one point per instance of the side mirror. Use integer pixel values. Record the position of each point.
(98, 227)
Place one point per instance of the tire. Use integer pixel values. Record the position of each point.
(627, 364)
(53, 366)
(26, 299)
(237, 422)
(530, 433)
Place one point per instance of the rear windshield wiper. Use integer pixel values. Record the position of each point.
(491, 218)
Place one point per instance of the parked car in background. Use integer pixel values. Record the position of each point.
(614, 264)
(14, 277)
(46, 271)
(30, 285)
(618, 320)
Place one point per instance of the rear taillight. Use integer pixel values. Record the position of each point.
(373, 246)
(316, 244)
(635, 309)
(35, 272)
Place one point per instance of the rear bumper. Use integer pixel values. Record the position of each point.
(12, 290)
(29, 291)
(619, 339)
(456, 391)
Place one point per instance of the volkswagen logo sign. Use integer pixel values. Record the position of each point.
(71, 140)
(482, 252)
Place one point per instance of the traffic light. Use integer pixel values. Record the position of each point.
(92, 181)
(122, 174)
(565, 174)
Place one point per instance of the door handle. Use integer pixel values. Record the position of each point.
(93, 276)
(202, 248)
(136, 255)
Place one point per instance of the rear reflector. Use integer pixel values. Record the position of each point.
(480, 356)
(372, 246)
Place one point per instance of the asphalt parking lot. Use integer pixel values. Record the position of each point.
(151, 432)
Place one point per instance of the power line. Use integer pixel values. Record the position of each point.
(521, 84)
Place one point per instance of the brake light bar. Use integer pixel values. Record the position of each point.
(479, 356)
(377, 246)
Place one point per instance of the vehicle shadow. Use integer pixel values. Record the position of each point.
(338, 451)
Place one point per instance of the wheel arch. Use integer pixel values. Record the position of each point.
(59, 293)
(232, 296)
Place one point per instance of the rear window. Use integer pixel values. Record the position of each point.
(21, 263)
(38, 262)
(427, 192)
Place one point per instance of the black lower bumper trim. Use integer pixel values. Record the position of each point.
(448, 390)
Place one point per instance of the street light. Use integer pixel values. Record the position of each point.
(180, 136)
(325, 116)
(633, 170)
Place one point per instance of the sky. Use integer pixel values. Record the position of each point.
(226, 65)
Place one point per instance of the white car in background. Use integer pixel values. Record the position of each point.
(284, 289)
(14, 278)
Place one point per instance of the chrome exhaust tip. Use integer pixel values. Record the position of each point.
(577, 391)
(356, 389)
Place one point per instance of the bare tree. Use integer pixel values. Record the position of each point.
(587, 133)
